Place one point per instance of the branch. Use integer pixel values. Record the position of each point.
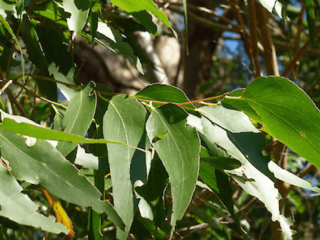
(254, 39)
(299, 54)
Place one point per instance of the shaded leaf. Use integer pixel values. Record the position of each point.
(18, 207)
(78, 116)
(179, 152)
(117, 43)
(245, 144)
(5, 6)
(42, 163)
(123, 121)
(310, 19)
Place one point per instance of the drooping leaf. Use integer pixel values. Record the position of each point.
(79, 12)
(179, 151)
(18, 207)
(152, 193)
(78, 116)
(59, 59)
(124, 121)
(117, 43)
(36, 55)
(42, 163)
(244, 144)
(219, 183)
(290, 178)
(310, 19)
(7, 26)
(287, 114)
(133, 6)
(164, 93)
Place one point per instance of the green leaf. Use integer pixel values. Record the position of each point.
(185, 9)
(60, 62)
(79, 10)
(144, 18)
(222, 163)
(78, 116)
(133, 6)
(181, 143)
(7, 26)
(31, 39)
(124, 121)
(18, 207)
(117, 43)
(42, 163)
(310, 19)
(218, 183)
(287, 114)
(31, 130)
(245, 145)
(153, 192)
(164, 93)
(290, 178)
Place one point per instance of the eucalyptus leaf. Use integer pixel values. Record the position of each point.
(133, 6)
(78, 116)
(79, 12)
(123, 121)
(18, 207)
(178, 150)
(287, 114)
(42, 163)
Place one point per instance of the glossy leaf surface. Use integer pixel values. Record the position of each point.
(287, 114)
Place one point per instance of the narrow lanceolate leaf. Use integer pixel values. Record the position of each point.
(124, 121)
(19, 208)
(178, 147)
(39, 132)
(232, 131)
(287, 114)
(134, 6)
(43, 164)
(78, 116)
(79, 12)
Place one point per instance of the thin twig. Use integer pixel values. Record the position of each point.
(5, 86)
(299, 55)
(269, 54)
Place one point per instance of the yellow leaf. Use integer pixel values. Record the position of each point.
(61, 215)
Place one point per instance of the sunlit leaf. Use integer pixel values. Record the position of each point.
(178, 150)
(18, 207)
(134, 6)
(78, 116)
(79, 12)
(124, 121)
(42, 163)
(287, 114)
